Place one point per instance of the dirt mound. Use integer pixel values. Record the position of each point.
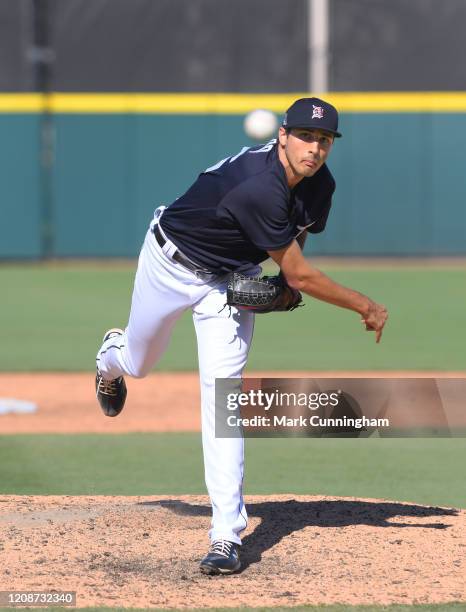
(144, 551)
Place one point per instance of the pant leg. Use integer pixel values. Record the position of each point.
(162, 292)
(223, 344)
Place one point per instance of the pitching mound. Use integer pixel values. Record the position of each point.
(144, 551)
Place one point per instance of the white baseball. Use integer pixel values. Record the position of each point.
(260, 124)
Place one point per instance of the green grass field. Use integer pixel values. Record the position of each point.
(53, 318)
(426, 471)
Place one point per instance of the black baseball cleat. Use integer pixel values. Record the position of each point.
(222, 558)
(111, 394)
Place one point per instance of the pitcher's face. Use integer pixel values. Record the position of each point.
(303, 151)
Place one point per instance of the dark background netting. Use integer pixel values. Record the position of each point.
(226, 45)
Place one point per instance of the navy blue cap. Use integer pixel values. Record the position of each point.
(312, 113)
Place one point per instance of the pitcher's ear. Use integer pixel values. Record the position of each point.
(282, 135)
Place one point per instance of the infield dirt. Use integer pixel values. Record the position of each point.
(161, 402)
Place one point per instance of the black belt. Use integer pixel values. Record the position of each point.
(178, 256)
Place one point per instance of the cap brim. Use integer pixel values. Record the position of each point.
(313, 127)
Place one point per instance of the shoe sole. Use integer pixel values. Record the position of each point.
(211, 570)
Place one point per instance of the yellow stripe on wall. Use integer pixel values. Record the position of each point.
(21, 103)
(227, 103)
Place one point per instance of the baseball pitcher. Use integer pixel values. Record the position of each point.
(202, 252)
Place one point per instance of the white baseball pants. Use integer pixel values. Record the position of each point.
(163, 290)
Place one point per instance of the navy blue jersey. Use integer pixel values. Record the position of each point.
(242, 207)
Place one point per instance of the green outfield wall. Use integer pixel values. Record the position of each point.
(20, 186)
(87, 186)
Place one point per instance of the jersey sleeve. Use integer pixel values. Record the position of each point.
(261, 215)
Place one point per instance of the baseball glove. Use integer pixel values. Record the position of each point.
(262, 294)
